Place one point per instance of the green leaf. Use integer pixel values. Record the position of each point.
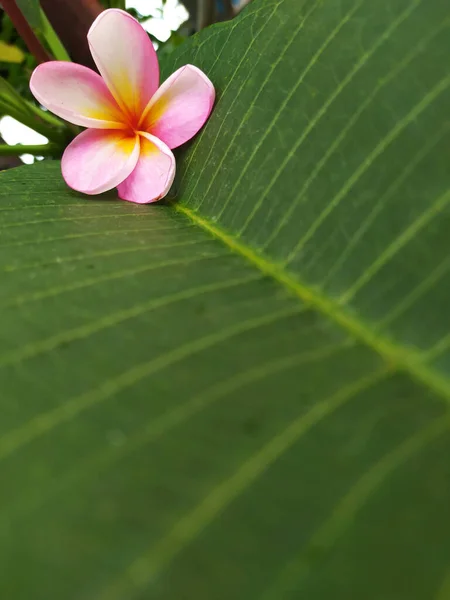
(11, 98)
(52, 39)
(118, 4)
(244, 393)
(114, 4)
(31, 10)
(14, 105)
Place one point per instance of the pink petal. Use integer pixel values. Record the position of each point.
(77, 94)
(180, 107)
(98, 160)
(126, 60)
(153, 175)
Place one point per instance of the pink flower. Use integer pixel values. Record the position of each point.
(132, 125)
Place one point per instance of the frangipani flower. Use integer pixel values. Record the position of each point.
(132, 125)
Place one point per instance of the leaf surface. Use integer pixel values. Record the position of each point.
(244, 393)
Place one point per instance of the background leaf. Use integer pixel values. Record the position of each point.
(10, 53)
(58, 50)
(244, 394)
(31, 10)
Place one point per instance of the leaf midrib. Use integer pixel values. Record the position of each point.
(399, 357)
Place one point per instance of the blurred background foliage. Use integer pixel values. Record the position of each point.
(33, 31)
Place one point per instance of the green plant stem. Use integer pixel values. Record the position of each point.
(44, 115)
(12, 103)
(59, 52)
(49, 131)
(25, 31)
(35, 149)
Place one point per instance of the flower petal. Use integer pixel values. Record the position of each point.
(77, 94)
(153, 175)
(180, 107)
(98, 160)
(125, 58)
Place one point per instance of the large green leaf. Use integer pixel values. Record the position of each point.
(244, 394)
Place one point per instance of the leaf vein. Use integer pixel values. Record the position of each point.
(344, 513)
(45, 422)
(426, 101)
(150, 563)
